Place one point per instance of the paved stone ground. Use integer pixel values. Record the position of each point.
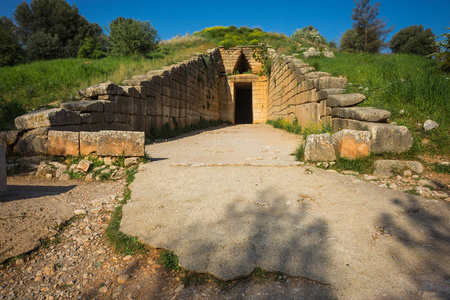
(231, 199)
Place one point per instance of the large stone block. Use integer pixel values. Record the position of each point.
(319, 147)
(323, 94)
(384, 137)
(47, 118)
(125, 105)
(388, 168)
(331, 83)
(33, 142)
(94, 91)
(3, 186)
(63, 143)
(368, 114)
(88, 142)
(352, 144)
(117, 143)
(83, 106)
(344, 100)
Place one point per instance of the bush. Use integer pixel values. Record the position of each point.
(414, 40)
(9, 111)
(91, 49)
(131, 37)
(309, 33)
(350, 42)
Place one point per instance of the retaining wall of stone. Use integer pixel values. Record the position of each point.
(296, 91)
(180, 95)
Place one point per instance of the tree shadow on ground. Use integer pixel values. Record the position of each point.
(424, 228)
(271, 233)
(23, 192)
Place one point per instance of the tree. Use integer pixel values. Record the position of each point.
(10, 50)
(54, 18)
(370, 30)
(131, 37)
(309, 33)
(443, 46)
(350, 42)
(43, 46)
(91, 49)
(413, 39)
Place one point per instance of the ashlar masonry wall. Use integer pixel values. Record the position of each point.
(231, 59)
(296, 91)
(179, 95)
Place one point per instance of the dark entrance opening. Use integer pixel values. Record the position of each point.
(243, 109)
(242, 65)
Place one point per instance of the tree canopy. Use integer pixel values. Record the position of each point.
(10, 49)
(370, 30)
(413, 39)
(131, 37)
(58, 23)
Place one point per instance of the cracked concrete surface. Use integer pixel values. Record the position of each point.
(231, 199)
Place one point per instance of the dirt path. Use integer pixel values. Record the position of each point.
(232, 199)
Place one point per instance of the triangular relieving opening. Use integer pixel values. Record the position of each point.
(242, 65)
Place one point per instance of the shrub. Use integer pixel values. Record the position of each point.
(414, 40)
(91, 49)
(131, 37)
(309, 33)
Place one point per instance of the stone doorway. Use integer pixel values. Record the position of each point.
(243, 109)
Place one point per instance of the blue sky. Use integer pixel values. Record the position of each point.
(332, 18)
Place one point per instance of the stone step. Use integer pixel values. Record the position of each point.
(47, 118)
(384, 137)
(323, 94)
(344, 100)
(368, 114)
(83, 106)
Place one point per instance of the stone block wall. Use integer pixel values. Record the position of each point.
(228, 83)
(180, 95)
(294, 91)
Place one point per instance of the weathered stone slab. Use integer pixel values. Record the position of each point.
(3, 186)
(344, 100)
(33, 142)
(88, 142)
(47, 118)
(132, 91)
(384, 137)
(319, 147)
(63, 143)
(83, 106)
(368, 114)
(117, 143)
(323, 94)
(108, 88)
(352, 144)
(332, 83)
(388, 168)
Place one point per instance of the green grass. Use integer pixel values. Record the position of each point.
(439, 168)
(169, 260)
(295, 128)
(364, 165)
(399, 82)
(122, 243)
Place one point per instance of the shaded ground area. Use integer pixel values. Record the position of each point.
(30, 212)
(229, 200)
